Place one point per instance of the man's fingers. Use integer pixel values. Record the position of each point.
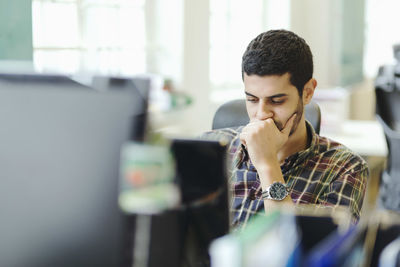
(254, 122)
(289, 124)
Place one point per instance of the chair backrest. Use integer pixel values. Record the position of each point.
(387, 112)
(234, 114)
(387, 94)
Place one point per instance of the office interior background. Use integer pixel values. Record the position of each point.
(192, 49)
(196, 46)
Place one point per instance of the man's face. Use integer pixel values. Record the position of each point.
(273, 96)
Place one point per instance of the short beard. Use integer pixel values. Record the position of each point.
(299, 111)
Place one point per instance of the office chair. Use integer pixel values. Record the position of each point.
(234, 114)
(387, 92)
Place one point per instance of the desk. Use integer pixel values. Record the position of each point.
(364, 137)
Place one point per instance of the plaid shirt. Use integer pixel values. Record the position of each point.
(326, 173)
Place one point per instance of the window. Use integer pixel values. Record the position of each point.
(78, 36)
(125, 37)
(381, 34)
(233, 23)
(111, 37)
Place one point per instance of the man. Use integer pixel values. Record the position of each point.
(278, 157)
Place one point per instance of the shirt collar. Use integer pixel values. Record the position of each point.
(300, 156)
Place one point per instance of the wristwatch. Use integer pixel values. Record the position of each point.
(276, 191)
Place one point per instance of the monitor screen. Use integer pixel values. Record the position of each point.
(202, 179)
(60, 146)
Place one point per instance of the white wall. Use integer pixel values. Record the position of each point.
(315, 22)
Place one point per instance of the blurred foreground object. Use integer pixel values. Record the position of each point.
(387, 90)
(60, 145)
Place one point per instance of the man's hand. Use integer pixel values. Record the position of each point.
(264, 140)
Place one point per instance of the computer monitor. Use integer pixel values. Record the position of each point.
(60, 146)
(202, 179)
(181, 235)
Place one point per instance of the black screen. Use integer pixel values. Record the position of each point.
(201, 175)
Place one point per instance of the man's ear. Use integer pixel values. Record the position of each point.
(308, 90)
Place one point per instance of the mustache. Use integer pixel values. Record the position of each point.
(280, 125)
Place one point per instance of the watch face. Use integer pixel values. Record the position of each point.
(278, 191)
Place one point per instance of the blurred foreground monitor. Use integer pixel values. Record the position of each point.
(60, 147)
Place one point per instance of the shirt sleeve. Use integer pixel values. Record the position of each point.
(223, 135)
(348, 187)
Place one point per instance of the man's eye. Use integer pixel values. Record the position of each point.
(277, 101)
(252, 100)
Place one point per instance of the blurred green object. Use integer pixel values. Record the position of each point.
(180, 100)
(146, 179)
(16, 30)
(261, 243)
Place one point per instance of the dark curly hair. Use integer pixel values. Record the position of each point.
(277, 52)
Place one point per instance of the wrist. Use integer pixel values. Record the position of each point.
(268, 167)
(268, 176)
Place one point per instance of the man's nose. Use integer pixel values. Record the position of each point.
(263, 111)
